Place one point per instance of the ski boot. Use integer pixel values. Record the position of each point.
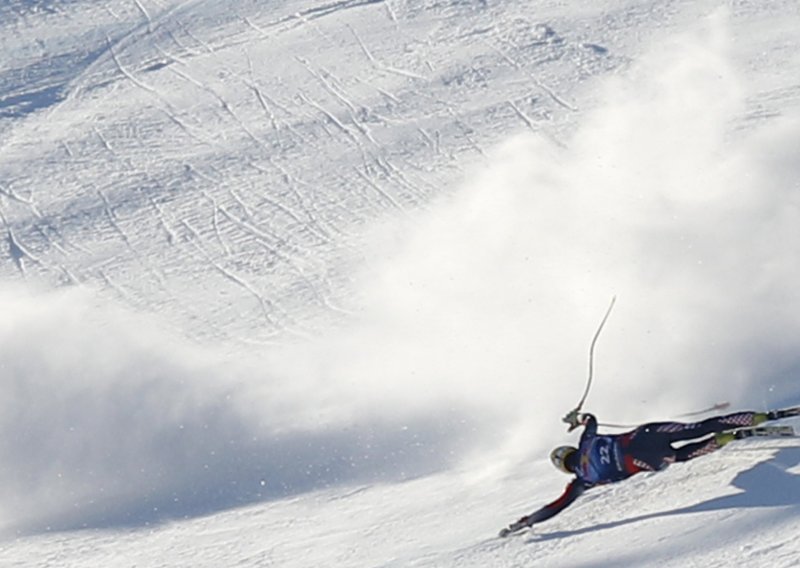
(783, 413)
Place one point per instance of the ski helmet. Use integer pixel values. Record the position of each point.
(560, 455)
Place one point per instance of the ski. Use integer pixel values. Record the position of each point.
(765, 432)
(718, 406)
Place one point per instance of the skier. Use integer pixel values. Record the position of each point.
(601, 459)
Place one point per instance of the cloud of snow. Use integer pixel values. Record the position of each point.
(664, 196)
(106, 418)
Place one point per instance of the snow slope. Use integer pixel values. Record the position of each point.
(311, 283)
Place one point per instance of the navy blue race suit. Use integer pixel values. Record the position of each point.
(605, 459)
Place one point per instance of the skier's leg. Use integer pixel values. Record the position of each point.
(651, 444)
(703, 447)
(680, 431)
(645, 449)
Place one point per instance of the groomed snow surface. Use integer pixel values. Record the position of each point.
(297, 283)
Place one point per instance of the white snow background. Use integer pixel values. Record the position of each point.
(302, 284)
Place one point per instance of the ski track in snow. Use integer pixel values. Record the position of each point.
(224, 175)
(248, 128)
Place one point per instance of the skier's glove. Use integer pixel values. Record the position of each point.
(523, 523)
(573, 418)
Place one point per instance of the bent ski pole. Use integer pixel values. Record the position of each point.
(571, 417)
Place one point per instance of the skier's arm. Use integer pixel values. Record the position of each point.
(573, 491)
(589, 423)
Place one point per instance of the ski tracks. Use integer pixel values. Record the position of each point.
(222, 141)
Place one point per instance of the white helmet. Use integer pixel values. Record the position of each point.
(560, 455)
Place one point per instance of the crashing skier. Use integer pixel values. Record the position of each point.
(600, 459)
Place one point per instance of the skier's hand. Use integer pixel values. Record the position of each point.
(573, 419)
(523, 523)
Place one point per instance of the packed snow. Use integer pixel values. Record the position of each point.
(299, 283)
